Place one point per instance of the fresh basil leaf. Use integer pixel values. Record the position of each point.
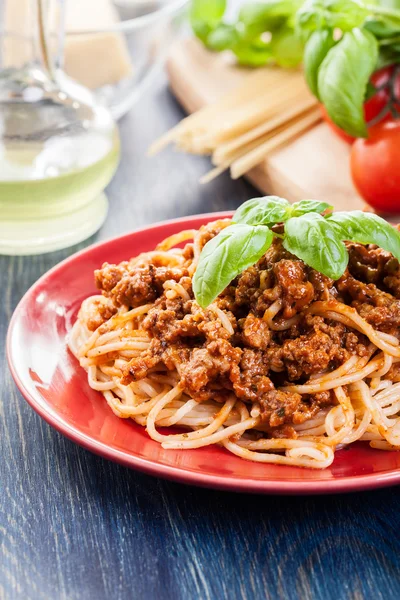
(226, 255)
(286, 48)
(310, 17)
(316, 49)
(266, 15)
(259, 17)
(315, 240)
(255, 53)
(267, 210)
(343, 77)
(346, 14)
(320, 14)
(205, 15)
(224, 37)
(309, 206)
(366, 228)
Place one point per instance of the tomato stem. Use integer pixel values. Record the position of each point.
(381, 115)
(391, 106)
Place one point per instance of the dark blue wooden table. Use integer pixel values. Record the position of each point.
(73, 526)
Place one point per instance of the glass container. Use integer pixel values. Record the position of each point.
(58, 147)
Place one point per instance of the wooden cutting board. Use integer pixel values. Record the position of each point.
(316, 165)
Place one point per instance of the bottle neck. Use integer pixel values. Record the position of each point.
(32, 36)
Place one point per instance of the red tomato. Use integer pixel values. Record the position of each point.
(375, 166)
(372, 107)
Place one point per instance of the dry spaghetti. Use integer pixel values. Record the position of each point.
(271, 109)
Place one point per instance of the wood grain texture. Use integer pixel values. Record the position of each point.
(315, 165)
(76, 527)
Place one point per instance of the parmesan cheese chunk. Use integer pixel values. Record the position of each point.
(93, 59)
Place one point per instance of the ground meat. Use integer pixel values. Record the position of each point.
(391, 278)
(323, 286)
(217, 362)
(101, 311)
(212, 229)
(312, 353)
(377, 307)
(276, 252)
(255, 332)
(137, 285)
(249, 359)
(384, 318)
(176, 319)
(251, 380)
(297, 291)
(164, 321)
(247, 289)
(188, 252)
(367, 263)
(310, 405)
(139, 367)
(277, 406)
(394, 373)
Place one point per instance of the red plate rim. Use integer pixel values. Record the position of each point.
(231, 483)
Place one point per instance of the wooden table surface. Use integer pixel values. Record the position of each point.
(74, 526)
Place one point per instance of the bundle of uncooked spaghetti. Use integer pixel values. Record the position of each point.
(272, 108)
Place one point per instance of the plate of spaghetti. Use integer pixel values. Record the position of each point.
(256, 352)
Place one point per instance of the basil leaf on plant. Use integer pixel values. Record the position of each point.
(343, 77)
(259, 17)
(346, 14)
(205, 15)
(319, 14)
(263, 211)
(252, 54)
(310, 17)
(315, 240)
(366, 228)
(316, 49)
(308, 206)
(226, 255)
(286, 48)
(223, 37)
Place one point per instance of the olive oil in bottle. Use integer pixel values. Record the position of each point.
(58, 149)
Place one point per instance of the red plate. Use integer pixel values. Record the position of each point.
(53, 383)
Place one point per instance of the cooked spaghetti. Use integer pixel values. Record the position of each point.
(284, 367)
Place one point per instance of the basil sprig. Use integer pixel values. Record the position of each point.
(318, 46)
(273, 209)
(205, 16)
(245, 36)
(346, 41)
(341, 43)
(311, 232)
